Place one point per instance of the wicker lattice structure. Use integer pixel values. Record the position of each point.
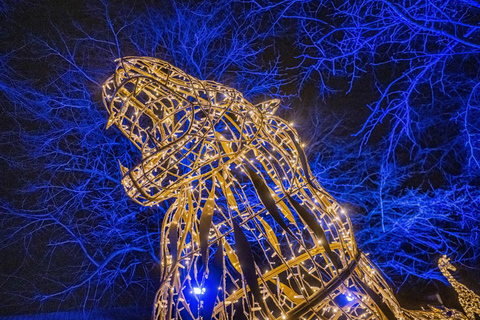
(250, 234)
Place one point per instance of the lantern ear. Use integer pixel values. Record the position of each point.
(269, 107)
(123, 169)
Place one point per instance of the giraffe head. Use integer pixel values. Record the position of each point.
(444, 263)
(185, 128)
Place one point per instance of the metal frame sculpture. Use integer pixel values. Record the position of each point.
(249, 232)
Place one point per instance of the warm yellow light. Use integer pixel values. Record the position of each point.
(206, 148)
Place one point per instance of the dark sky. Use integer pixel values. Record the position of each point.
(59, 165)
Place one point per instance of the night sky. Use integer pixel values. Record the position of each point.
(385, 95)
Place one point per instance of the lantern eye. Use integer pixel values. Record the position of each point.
(269, 107)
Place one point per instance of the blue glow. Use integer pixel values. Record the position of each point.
(409, 179)
(197, 290)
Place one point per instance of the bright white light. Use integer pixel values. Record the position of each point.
(199, 290)
(350, 297)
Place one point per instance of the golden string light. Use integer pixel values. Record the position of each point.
(249, 233)
(468, 299)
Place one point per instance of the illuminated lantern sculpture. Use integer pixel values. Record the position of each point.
(249, 234)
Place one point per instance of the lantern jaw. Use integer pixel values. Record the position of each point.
(162, 175)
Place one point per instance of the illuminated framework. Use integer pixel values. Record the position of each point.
(250, 234)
